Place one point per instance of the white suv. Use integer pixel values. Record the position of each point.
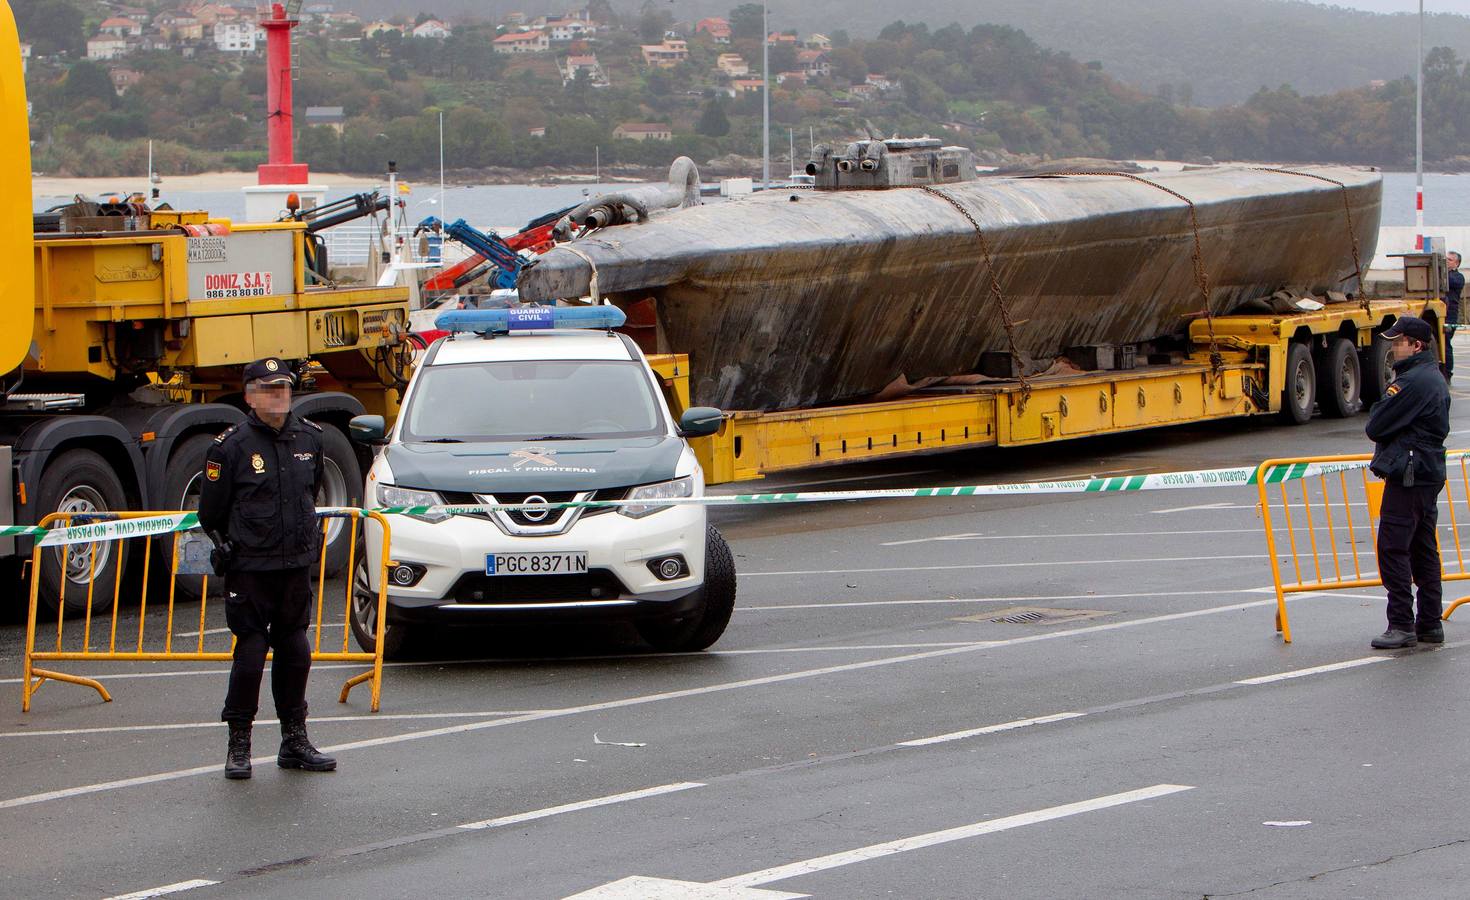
(542, 415)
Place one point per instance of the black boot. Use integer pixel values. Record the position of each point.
(237, 759)
(297, 751)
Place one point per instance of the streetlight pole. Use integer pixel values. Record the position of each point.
(1419, 140)
(766, 96)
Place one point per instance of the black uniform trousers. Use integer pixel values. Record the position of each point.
(1408, 554)
(268, 610)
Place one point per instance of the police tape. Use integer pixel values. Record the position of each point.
(97, 529)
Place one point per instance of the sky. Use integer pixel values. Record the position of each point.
(1460, 7)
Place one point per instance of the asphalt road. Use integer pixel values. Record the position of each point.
(864, 729)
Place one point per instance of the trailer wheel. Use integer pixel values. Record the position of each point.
(341, 486)
(1340, 380)
(80, 481)
(704, 626)
(1377, 369)
(182, 482)
(1300, 391)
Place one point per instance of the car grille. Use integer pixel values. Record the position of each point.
(458, 498)
(598, 584)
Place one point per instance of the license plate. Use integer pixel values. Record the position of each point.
(535, 563)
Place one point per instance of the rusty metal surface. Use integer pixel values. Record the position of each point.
(795, 299)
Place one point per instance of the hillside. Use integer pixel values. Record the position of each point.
(1224, 50)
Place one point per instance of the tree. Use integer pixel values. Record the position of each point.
(747, 21)
(783, 57)
(51, 26)
(713, 122)
(653, 23)
(88, 81)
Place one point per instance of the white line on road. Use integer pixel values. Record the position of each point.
(1198, 506)
(1316, 670)
(640, 700)
(991, 729)
(584, 804)
(1018, 599)
(918, 842)
(973, 536)
(1009, 565)
(165, 889)
(315, 720)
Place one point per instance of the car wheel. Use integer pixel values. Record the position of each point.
(1377, 369)
(1339, 380)
(364, 618)
(704, 625)
(80, 482)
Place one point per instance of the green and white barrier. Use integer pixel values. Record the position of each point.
(148, 526)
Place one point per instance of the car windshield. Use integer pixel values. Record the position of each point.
(540, 400)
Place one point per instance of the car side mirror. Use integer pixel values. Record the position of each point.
(368, 430)
(700, 421)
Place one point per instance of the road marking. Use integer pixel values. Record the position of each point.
(584, 804)
(1315, 670)
(991, 729)
(1008, 565)
(1017, 599)
(973, 536)
(165, 889)
(1159, 512)
(315, 720)
(643, 699)
(738, 887)
(209, 631)
(933, 838)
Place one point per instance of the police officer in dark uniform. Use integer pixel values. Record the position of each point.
(1452, 294)
(1409, 426)
(259, 505)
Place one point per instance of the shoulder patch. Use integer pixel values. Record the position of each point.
(224, 435)
(1394, 389)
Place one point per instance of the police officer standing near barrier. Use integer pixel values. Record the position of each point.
(1409, 426)
(259, 505)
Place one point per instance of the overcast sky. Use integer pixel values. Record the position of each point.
(1462, 7)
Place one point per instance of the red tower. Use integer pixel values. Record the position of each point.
(278, 24)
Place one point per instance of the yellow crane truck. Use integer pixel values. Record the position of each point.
(121, 345)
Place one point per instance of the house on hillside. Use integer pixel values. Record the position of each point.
(574, 64)
(522, 42)
(211, 14)
(106, 46)
(644, 131)
(122, 79)
(179, 26)
(514, 19)
(380, 27)
(718, 29)
(814, 63)
(566, 30)
(795, 79)
(432, 28)
(883, 83)
(747, 86)
(731, 65)
(331, 117)
(818, 42)
(237, 36)
(121, 27)
(782, 37)
(863, 92)
(665, 55)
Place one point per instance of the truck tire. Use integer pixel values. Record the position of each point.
(1377, 369)
(1339, 380)
(702, 627)
(80, 481)
(364, 618)
(1299, 393)
(182, 480)
(341, 486)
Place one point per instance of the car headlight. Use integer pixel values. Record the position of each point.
(663, 490)
(391, 495)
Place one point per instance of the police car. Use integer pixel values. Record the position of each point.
(539, 406)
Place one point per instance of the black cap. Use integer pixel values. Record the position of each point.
(1411, 327)
(269, 371)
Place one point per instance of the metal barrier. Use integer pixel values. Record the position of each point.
(78, 554)
(1331, 510)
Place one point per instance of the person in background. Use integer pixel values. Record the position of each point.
(1452, 312)
(1408, 428)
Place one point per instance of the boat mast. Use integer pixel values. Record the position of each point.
(1419, 141)
(766, 96)
(443, 215)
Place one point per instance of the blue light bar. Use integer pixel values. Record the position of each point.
(529, 318)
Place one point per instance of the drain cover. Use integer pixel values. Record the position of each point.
(1034, 615)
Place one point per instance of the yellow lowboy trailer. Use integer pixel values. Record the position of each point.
(121, 350)
(1284, 365)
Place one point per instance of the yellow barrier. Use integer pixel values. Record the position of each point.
(1331, 510)
(35, 677)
